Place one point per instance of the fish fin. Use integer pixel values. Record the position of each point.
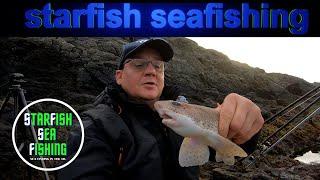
(226, 149)
(219, 158)
(193, 153)
(229, 160)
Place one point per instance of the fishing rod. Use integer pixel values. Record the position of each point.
(291, 120)
(300, 104)
(266, 144)
(272, 118)
(315, 112)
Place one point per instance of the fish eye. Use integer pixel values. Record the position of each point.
(175, 103)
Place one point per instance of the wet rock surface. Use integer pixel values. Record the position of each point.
(76, 70)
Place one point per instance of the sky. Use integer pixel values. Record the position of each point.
(297, 56)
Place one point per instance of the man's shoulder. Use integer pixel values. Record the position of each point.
(99, 111)
(102, 118)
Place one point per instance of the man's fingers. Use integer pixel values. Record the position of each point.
(227, 111)
(239, 119)
(245, 132)
(218, 108)
(251, 117)
(256, 126)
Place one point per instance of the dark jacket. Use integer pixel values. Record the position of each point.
(126, 140)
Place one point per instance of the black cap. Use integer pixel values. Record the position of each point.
(159, 44)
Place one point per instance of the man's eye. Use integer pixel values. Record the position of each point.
(138, 64)
(157, 66)
(175, 103)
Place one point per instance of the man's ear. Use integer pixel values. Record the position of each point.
(118, 76)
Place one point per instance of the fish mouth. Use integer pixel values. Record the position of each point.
(162, 113)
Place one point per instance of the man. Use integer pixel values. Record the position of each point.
(124, 136)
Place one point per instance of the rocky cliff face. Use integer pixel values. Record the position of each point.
(81, 67)
(77, 69)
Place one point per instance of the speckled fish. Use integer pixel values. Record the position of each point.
(199, 125)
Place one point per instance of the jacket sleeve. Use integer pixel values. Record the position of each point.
(96, 159)
(251, 144)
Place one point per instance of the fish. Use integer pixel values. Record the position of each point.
(199, 127)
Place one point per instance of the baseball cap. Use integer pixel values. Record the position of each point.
(159, 44)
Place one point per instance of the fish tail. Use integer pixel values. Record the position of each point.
(226, 150)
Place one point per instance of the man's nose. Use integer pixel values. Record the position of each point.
(150, 70)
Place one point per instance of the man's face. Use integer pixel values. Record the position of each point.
(145, 84)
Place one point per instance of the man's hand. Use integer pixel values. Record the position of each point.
(240, 118)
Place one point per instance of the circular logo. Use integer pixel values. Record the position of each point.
(49, 134)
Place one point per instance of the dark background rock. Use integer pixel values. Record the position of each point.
(77, 69)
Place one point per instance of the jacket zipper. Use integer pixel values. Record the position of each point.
(120, 157)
